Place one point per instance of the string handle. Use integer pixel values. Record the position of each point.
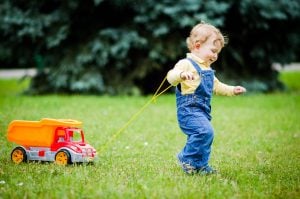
(134, 116)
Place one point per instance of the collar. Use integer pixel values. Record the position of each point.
(198, 60)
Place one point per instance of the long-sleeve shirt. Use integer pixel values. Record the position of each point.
(189, 86)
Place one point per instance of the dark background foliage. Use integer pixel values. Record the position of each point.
(127, 46)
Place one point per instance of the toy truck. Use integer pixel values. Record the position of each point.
(58, 140)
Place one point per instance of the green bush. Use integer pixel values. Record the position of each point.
(128, 46)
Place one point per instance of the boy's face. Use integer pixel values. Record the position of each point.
(210, 49)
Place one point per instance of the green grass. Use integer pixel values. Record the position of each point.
(256, 148)
(291, 80)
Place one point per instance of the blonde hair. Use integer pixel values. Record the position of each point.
(201, 32)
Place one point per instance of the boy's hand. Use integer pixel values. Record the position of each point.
(186, 76)
(239, 90)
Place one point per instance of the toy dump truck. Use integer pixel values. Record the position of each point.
(58, 140)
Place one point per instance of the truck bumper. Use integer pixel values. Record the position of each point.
(75, 157)
(45, 154)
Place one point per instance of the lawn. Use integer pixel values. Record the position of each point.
(256, 148)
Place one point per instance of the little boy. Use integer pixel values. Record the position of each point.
(195, 82)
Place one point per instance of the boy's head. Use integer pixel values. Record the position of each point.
(206, 41)
(201, 33)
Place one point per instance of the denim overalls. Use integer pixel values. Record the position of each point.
(193, 114)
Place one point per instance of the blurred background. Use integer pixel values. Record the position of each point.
(127, 46)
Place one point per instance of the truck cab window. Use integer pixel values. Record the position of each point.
(75, 135)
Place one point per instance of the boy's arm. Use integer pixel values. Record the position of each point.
(173, 76)
(224, 89)
(179, 73)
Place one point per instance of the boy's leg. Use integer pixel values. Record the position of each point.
(206, 136)
(200, 137)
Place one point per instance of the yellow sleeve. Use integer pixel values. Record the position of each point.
(173, 75)
(222, 89)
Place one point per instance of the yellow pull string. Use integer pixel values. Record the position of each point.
(134, 116)
(156, 94)
(161, 84)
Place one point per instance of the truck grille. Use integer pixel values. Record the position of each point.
(87, 152)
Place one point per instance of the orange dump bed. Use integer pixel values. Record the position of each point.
(37, 133)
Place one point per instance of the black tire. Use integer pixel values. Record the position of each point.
(63, 157)
(18, 155)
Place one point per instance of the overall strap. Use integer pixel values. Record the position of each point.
(196, 66)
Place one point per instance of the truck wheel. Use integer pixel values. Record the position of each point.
(18, 155)
(62, 157)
